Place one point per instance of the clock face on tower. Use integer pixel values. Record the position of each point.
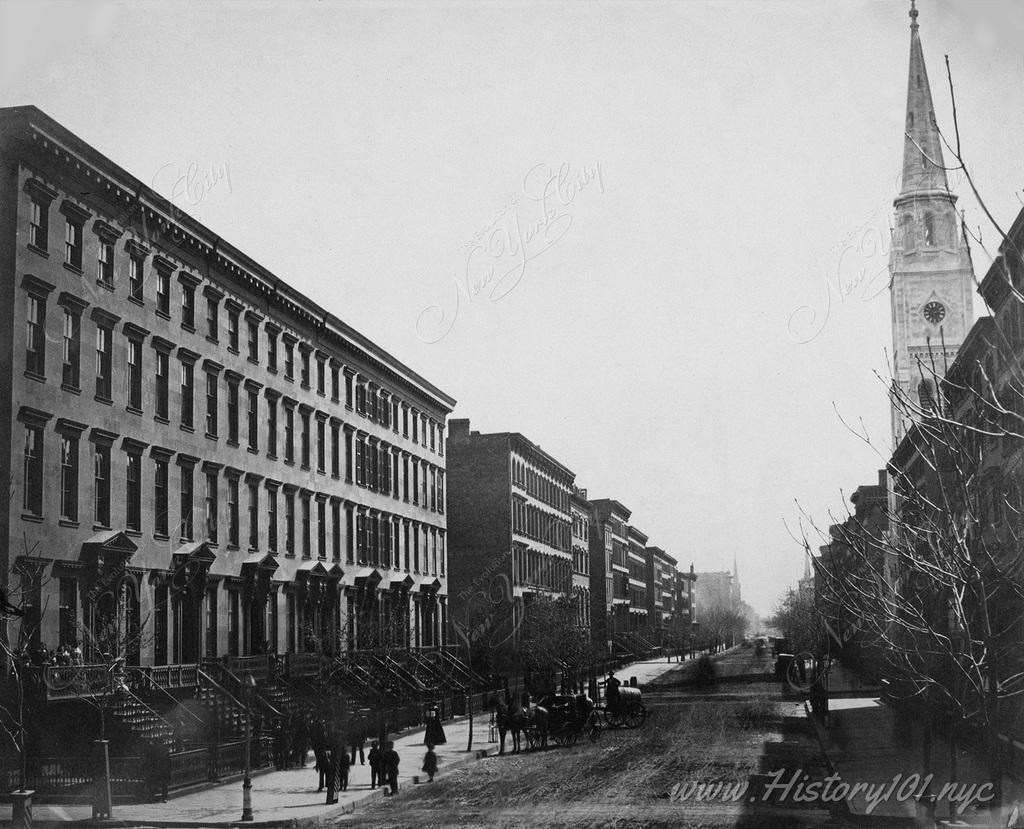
(934, 312)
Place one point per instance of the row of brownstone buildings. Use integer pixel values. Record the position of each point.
(203, 462)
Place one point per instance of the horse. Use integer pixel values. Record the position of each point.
(508, 718)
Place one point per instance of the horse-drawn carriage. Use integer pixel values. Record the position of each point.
(625, 708)
(562, 717)
(568, 717)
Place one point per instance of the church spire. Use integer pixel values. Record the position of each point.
(922, 147)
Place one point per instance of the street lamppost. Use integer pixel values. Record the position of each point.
(249, 689)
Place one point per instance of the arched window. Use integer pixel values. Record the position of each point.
(928, 229)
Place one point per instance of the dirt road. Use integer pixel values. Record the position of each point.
(627, 778)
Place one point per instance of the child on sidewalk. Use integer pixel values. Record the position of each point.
(430, 762)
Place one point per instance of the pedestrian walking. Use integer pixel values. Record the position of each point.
(300, 745)
(358, 742)
(391, 760)
(320, 753)
(374, 756)
(342, 770)
(430, 763)
(279, 747)
(434, 734)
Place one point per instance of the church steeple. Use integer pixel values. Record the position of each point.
(932, 280)
(923, 168)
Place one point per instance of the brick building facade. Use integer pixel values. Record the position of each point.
(201, 457)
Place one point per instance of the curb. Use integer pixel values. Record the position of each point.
(320, 819)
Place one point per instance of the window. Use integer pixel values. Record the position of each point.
(321, 527)
(305, 526)
(361, 461)
(361, 538)
(39, 224)
(233, 330)
(161, 497)
(105, 264)
(212, 318)
(415, 428)
(187, 391)
(336, 530)
(440, 491)
(348, 456)
(253, 420)
(272, 520)
(304, 447)
(405, 478)
(433, 489)
(35, 336)
(135, 278)
(73, 243)
(254, 515)
(187, 502)
(348, 391)
(433, 437)
(163, 369)
(271, 350)
(210, 506)
(335, 450)
(69, 477)
(272, 426)
(104, 336)
(32, 470)
(405, 420)
(133, 492)
(289, 522)
(349, 536)
(101, 484)
(233, 511)
(360, 398)
(289, 434)
(163, 292)
(211, 404)
(440, 440)
(416, 481)
(233, 412)
(134, 378)
(423, 486)
(321, 445)
(71, 347)
(289, 359)
(394, 415)
(211, 622)
(304, 370)
(335, 379)
(321, 381)
(253, 341)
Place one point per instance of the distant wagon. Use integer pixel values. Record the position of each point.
(627, 710)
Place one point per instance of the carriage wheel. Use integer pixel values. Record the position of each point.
(594, 732)
(571, 737)
(635, 715)
(611, 718)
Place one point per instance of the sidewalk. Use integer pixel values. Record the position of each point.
(862, 747)
(289, 798)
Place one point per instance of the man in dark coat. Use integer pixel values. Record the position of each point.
(391, 760)
(323, 765)
(376, 771)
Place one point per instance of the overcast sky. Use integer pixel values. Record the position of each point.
(682, 315)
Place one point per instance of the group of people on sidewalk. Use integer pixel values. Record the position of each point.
(334, 756)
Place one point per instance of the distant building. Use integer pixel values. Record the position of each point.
(581, 556)
(660, 572)
(609, 570)
(715, 590)
(510, 520)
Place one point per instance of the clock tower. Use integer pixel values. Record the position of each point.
(931, 278)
